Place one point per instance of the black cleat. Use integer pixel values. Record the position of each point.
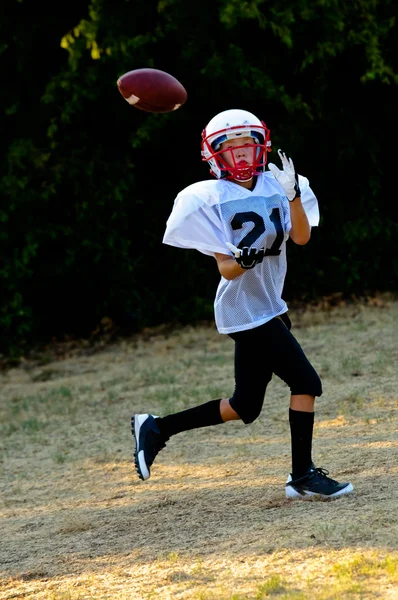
(148, 442)
(316, 483)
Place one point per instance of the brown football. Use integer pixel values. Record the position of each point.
(152, 90)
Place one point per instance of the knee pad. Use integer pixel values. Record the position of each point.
(246, 409)
(310, 387)
(315, 386)
(318, 391)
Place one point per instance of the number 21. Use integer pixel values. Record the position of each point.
(258, 229)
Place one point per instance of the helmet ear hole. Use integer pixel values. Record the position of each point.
(216, 144)
(258, 137)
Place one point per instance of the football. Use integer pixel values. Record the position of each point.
(152, 90)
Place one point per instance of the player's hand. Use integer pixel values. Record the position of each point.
(287, 178)
(247, 258)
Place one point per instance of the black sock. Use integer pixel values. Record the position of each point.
(301, 427)
(192, 418)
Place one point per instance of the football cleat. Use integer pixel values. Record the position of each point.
(316, 483)
(148, 442)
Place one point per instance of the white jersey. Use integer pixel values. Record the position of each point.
(210, 213)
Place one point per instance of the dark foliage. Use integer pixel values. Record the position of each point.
(87, 181)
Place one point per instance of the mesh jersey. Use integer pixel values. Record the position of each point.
(209, 213)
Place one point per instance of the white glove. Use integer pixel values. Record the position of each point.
(288, 178)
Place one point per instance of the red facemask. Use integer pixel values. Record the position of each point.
(239, 172)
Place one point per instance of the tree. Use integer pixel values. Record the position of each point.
(90, 181)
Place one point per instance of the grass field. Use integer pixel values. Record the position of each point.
(213, 521)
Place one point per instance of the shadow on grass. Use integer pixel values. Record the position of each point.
(194, 516)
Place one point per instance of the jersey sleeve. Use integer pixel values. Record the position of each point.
(309, 202)
(193, 223)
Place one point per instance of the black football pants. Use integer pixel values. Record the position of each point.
(262, 351)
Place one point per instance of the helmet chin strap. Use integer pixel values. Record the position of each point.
(245, 175)
(242, 180)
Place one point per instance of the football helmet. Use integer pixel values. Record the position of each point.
(233, 124)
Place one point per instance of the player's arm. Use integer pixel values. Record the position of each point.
(300, 232)
(244, 259)
(228, 266)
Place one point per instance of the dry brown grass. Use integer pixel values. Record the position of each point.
(212, 522)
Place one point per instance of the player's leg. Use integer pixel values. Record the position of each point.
(252, 373)
(227, 412)
(292, 366)
(151, 432)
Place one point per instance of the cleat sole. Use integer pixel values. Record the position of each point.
(299, 494)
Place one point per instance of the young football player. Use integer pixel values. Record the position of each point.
(243, 218)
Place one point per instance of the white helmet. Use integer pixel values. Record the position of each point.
(233, 124)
